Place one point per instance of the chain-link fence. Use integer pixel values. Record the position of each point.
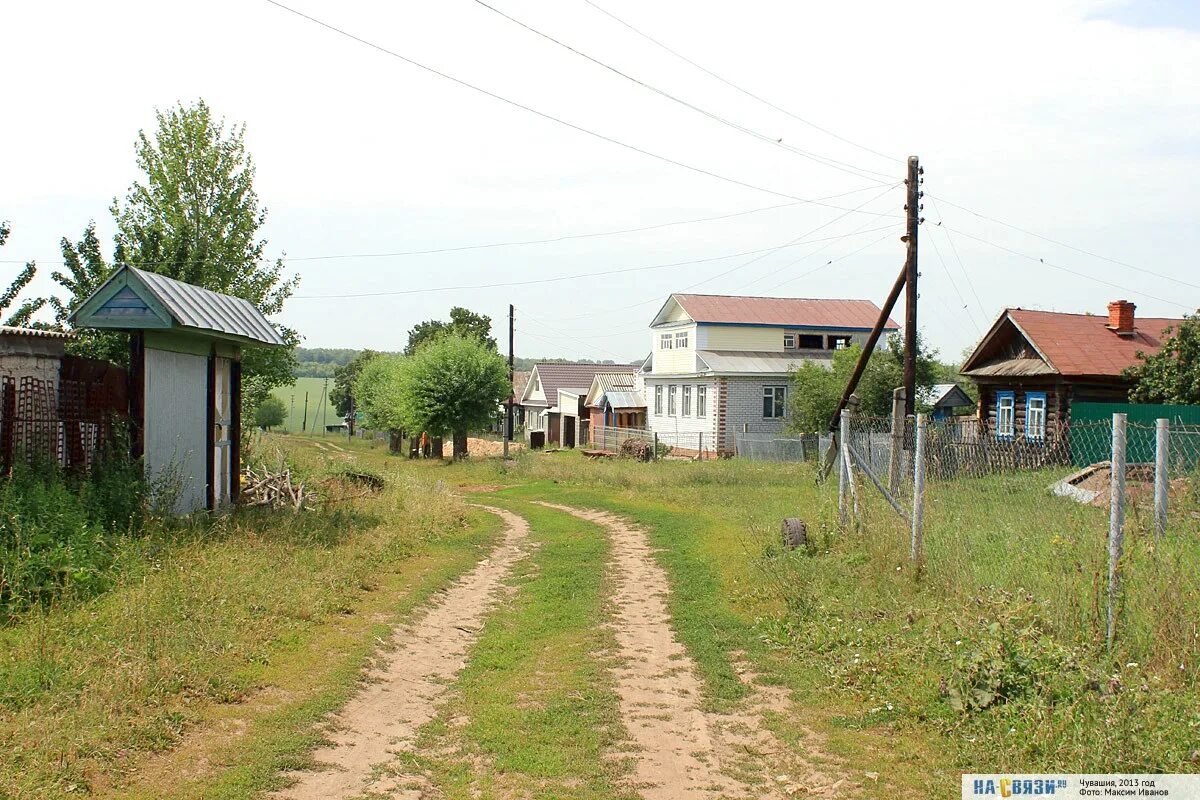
(777, 447)
(1061, 498)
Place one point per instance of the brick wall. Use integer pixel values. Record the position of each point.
(742, 404)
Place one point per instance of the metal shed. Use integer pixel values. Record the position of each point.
(185, 377)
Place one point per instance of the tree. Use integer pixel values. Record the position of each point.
(452, 384)
(269, 413)
(83, 273)
(1172, 375)
(377, 395)
(816, 389)
(344, 377)
(22, 315)
(463, 322)
(196, 217)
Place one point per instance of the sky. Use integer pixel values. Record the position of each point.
(1058, 137)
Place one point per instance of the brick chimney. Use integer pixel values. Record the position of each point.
(1120, 317)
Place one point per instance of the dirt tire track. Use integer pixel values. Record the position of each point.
(684, 752)
(383, 719)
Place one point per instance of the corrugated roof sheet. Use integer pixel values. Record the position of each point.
(572, 376)
(36, 333)
(625, 399)
(801, 312)
(755, 363)
(203, 309)
(1080, 345)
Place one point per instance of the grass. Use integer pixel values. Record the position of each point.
(320, 410)
(534, 713)
(260, 619)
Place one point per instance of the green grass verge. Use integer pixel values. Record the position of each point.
(534, 713)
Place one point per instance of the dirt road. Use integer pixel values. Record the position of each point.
(382, 721)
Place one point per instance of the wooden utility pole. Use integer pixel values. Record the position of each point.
(304, 424)
(912, 207)
(508, 420)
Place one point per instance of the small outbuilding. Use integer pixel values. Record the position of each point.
(185, 378)
(946, 400)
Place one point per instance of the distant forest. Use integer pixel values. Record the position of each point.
(320, 362)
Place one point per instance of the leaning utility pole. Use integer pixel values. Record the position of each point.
(508, 421)
(912, 207)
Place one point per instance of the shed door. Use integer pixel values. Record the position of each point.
(222, 395)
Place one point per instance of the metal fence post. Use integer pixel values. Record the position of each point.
(894, 458)
(1116, 521)
(654, 453)
(700, 446)
(918, 510)
(843, 470)
(1162, 443)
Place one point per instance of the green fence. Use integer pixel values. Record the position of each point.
(1088, 448)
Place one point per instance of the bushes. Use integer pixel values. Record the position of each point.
(58, 532)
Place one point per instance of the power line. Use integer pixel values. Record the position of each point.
(832, 261)
(556, 278)
(838, 165)
(957, 257)
(522, 243)
(1061, 268)
(738, 88)
(1069, 246)
(797, 239)
(552, 118)
(965, 306)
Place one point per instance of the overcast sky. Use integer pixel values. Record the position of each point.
(1078, 120)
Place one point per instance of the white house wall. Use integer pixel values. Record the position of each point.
(744, 407)
(679, 430)
(176, 391)
(676, 360)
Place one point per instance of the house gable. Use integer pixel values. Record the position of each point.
(1006, 351)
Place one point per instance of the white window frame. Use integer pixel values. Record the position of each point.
(665, 341)
(778, 397)
(701, 401)
(1035, 418)
(672, 400)
(658, 393)
(1006, 415)
(687, 400)
(681, 340)
(789, 341)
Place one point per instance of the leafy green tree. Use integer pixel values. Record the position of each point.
(344, 377)
(269, 413)
(1172, 375)
(816, 389)
(452, 384)
(84, 270)
(377, 395)
(195, 217)
(22, 315)
(463, 322)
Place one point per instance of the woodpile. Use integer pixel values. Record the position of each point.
(274, 489)
(637, 448)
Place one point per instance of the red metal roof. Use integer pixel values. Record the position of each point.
(798, 311)
(1082, 344)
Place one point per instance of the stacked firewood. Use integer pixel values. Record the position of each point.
(274, 489)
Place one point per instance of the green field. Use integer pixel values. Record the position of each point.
(319, 413)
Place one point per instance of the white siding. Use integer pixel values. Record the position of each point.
(680, 430)
(754, 338)
(674, 360)
(176, 390)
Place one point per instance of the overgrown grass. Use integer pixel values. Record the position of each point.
(220, 615)
(996, 651)
(534, 713)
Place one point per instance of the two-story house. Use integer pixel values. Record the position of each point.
(720, 364)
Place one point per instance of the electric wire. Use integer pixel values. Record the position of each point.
(738, 88)
(557, 278)
(1068, 246)
(851, 169)
(547, 116)
(965, 305)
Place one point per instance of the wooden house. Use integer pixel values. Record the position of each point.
(1032, 365)
(615, 400)
(547, 420)
(185, 378)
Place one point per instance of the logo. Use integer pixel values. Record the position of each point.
(1000, 786)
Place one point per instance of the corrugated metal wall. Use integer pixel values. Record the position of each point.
(1088, 448)
(176, 392)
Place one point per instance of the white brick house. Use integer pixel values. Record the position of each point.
(719, 364)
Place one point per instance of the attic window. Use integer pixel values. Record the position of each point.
(839, 342)
(664, 341)
(681, 340)
(789, 341)
(810, 341)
